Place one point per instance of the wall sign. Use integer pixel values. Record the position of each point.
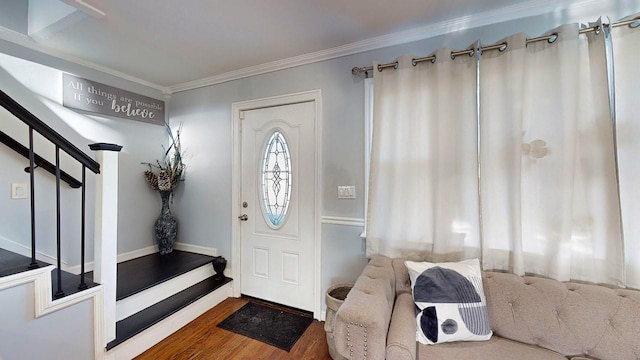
(91, 96)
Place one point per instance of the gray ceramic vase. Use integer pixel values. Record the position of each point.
(166, 226)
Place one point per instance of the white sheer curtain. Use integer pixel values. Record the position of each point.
(548, 200)
(626, 54)
(423, 188)
(549, 192)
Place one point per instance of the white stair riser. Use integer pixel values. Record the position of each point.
(144, 299)
(150, 337)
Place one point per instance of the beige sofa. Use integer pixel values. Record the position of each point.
(531, 318)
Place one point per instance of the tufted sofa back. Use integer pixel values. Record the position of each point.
(570, 318)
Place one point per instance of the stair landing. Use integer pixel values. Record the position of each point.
(12, 263)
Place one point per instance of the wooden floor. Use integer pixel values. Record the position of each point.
(202, 339)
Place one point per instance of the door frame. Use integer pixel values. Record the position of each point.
(237, 108)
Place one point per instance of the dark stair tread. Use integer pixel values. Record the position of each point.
(12, 263)
(70, 282)
(142, 273)
(138, 322)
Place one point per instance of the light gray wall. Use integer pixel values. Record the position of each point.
(14, 15)
(203, 204)
(38, 88)
(64, 334)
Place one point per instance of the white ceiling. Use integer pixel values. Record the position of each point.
(173, 43)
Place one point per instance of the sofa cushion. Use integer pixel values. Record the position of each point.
(401, 338)
(451, 300)
(496, 348)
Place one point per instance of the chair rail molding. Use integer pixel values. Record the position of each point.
(346, 221)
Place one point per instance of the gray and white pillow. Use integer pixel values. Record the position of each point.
(450, 301)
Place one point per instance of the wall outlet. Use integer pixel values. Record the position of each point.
(18, 191)
(346, 192)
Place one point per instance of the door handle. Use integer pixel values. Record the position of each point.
(243, 217)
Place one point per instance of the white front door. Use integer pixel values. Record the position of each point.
(278, 204)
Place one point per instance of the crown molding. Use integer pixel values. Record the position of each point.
(26, 42)
(512, 12)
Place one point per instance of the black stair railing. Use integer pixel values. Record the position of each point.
(39, 161)
(61, 144)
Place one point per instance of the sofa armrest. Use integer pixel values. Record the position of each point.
(401, 341)
(361, 324)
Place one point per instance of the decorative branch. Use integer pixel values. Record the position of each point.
(171, 169)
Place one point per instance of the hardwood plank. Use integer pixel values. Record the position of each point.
(202, 339)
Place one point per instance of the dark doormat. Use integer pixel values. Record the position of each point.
(275, 327)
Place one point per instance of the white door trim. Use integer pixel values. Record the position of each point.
(236, 178)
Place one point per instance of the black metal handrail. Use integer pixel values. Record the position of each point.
(60, 143)
(48, 133)
(39, 160)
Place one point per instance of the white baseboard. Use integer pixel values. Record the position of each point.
(24, 250)
(137, 253)
(150, 337)
(144, 299)
(178, 246)
(196, 249)
(75, 269)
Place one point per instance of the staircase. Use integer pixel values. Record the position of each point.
(35, 293)
(136, 304)
(158, 294)
(61, 146)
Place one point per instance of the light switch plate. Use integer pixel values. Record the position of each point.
(18, 191)
(346, 192)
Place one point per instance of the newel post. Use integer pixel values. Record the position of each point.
(106, 231)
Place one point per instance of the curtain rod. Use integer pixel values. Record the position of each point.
(500, 46)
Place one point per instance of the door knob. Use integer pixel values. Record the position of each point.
(243, 217)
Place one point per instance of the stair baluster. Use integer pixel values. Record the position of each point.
(34, 263)
(82, 285)
(58, 293)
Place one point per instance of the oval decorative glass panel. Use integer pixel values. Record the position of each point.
(276, 179)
